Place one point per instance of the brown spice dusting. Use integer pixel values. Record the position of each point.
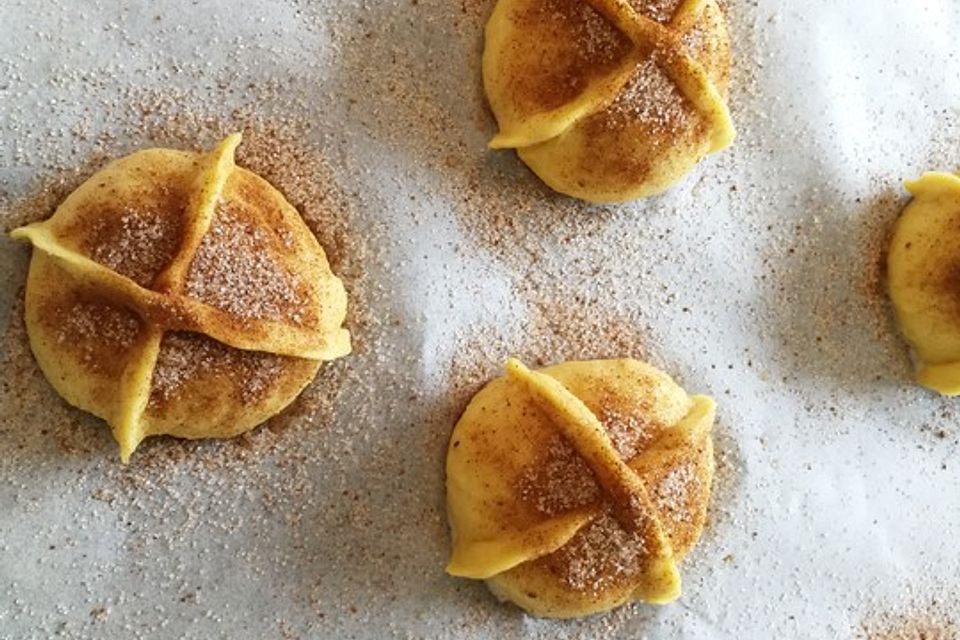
(628, 433)
(931, 625)
(95, 332)
(672, 494)
(601, 555)
(660, 10)
(696, 41)
(134, 243)
(274, 147)
(596, 40)
(879, 217)
(854, 273)
(49, 190)
(93, 320)
(276, 151)
(589, 48)
(185, 358)
(651, 98)
(234, 269)
(557, 332)
(561, 483)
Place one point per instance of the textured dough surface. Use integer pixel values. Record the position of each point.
(578, 488)
(175, 293)
(609, 100)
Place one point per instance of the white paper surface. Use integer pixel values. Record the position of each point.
(839, 496)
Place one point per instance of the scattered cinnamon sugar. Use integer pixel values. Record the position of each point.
(88, 319)
(600, 555)
(672, 494)
(234, 269)
(280, 532)
(98, 330)
(49, 190)
(561, 483)
(595, 39)
(660, 10)
(579, 46)
(556, 332)
(629, 433)
(932, 624)
(184, 358)
(879, 216)
(476, 11)
(651, 97)
(89, 330)
(134, 243)
(695, 41)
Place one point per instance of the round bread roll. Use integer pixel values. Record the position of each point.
(609, 100)
(176, 293)
(578, 488)
(923, 270)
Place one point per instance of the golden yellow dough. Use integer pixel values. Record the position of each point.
(609, 100)
(176, 293)
(923, 270)
(575, 489)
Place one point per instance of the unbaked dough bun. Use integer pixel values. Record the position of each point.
(580, 487)
(176, 293)
(609, 100)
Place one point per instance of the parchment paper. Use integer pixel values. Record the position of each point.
(837, 506)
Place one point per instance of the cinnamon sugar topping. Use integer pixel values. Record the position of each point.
(591, 47)
(629, 433)
(96, 331)
(90, 320)
(187, 357)
(137, 244)
(660, 10)
(562, 482)
(596, 39)
(672, 493)
(233, 270)
(652, 98)
(600, 555)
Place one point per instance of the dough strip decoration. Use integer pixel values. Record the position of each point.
(167, 307)
(649, 38)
